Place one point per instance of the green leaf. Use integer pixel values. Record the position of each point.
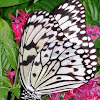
(97, 74)
(35, 1)
(12, 97)
(5, 30)
(82, 0)
(47, 5)
(3, 92)
(16, 91)
(72, 99)
(45, 97)
(1, 85)
(92, 12)
(98, 52)
(97, 43)
(7, 3)
(8, 48)
(11, 51)
(5, 81)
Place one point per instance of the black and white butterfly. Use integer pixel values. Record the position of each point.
(55, 53)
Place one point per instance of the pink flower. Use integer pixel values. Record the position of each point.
(10, 75)
(18, 25)
(99, 58)
(94, 31)
(55, 96)
(90, 91)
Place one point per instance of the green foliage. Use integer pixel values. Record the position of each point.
(5, 81)
(5, 29)
(46, 97)
(97, 74)
(35, 1)
(97, 43)
(13, 9)
(93, 12)
(98, 52)
(8, 56)
(82, 1)
(8, 47)
(16, 91)
(7, 3)
(47, 5)
(3, 93)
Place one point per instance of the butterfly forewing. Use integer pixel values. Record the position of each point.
(71, 18)
(38, 32)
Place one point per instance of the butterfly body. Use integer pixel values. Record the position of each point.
(56, 54)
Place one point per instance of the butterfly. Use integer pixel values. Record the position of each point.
(55, 53)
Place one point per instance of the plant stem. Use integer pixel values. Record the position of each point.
(12, 97)
(17, 81)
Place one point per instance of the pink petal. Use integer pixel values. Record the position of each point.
(93, 37)
(11, 79)
(23, 20)
(55, 96)
(23, 13)
(13, 25)
(98, 58)
(17, 33)
(17, 38)
(96, 28)
(66, 97)
(88, 28)
(10, 75)
(28, 15)
(18, 25)
(96, 31)
(12, 16)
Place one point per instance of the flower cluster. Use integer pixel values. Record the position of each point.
(93, 33)
(55, 96)
(18, 25)
(90, 91)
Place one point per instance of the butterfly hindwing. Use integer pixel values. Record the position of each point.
(61, 66)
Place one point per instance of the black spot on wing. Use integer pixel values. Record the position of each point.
(58, 78)
(29, 60)
(37, 63)
(31, 45)
(34, 74)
